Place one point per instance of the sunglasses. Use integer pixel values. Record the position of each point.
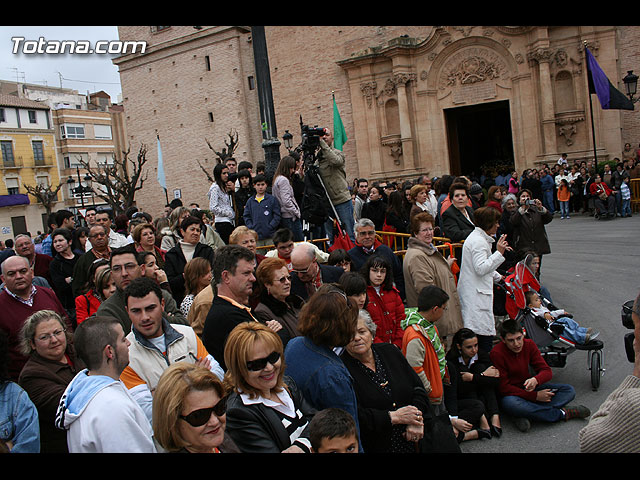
(197, 418)
(260, 363)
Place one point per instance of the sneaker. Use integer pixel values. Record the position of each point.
(561, 218)
(522, 424)
(579, 411)
(568, 216)
(590, 336)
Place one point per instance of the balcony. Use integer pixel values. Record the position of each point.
(45, 161)
(11, 163)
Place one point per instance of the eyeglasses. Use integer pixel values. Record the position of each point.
(48, 336)
(129, 267)
(285, 279)
(261, 363)
(197, 418)
(302, 271)
(366, 233)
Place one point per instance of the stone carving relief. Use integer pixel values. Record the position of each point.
(368, 89)
(471, 66)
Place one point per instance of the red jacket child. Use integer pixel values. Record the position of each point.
(387, 311)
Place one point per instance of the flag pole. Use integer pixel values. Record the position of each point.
(593, 130)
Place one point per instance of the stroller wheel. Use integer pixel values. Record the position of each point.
(595, 370)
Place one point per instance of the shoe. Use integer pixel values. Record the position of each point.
(522, 424)
(561, 218)
(568, 216)
(483, 434)
(495, 431)
(579, 411)
(590, 336)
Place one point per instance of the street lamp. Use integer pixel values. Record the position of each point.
(631, 85)
(287, 138)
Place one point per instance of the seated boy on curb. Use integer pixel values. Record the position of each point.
(262, 212)
(333, 430)
(422, 346)
(572, 330)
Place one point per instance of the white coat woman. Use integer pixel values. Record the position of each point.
(478, 274)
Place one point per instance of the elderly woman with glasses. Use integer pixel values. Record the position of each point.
(267, 412)
(424, 265)
(276, 300)
(391, 399)
(189, 411)
(51, 366)
(327, 322)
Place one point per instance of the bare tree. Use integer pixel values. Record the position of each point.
(120, 180)
(232, 145)
(46, 194)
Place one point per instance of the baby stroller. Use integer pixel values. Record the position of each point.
(547, 336)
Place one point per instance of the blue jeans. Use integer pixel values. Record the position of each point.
(539, 411)
(345, 212)
(295, 225)
(618, 202)
(564, 209)
(626, 207)
(572, 330)
(547, 200)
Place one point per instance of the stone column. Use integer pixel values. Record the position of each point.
(401, 80)
(543, 58)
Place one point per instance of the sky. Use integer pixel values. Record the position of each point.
(82, 72)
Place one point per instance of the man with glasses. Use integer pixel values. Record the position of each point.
(154, 343)
(367, 244)
(125, 269)
(307, 275)
(19, 298)
(98, 248)
(96, 409)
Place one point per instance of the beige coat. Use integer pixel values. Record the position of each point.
(423, 266)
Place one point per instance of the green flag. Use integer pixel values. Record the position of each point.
(339, 133)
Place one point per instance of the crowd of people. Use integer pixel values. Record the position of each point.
(228, 330)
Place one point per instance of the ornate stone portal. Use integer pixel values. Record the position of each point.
(401, 94)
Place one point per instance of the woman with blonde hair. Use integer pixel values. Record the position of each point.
(189, 411)
(51, 366)
(266, 412)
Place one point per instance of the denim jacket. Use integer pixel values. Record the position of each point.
(18, 419)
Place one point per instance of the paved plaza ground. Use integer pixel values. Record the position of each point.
(592, 270)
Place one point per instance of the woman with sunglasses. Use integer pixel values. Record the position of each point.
(266, 412)
(189, 411)
(276, 300)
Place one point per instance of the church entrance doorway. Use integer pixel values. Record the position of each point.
(479, 138)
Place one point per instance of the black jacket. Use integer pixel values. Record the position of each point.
(174, 263)
(374, 404)
(256, 428)
(455, 225)
(221, 319)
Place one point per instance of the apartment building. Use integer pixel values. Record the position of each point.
(28, 150)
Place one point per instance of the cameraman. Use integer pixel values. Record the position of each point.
(615, 427)
(331, 163)
(528, 222)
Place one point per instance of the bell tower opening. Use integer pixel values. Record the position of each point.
(479, 136)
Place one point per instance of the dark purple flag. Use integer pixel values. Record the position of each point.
(610, 97)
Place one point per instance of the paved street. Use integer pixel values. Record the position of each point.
(592, 270)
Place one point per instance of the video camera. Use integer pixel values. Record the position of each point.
(310, 138)
(627, 321)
